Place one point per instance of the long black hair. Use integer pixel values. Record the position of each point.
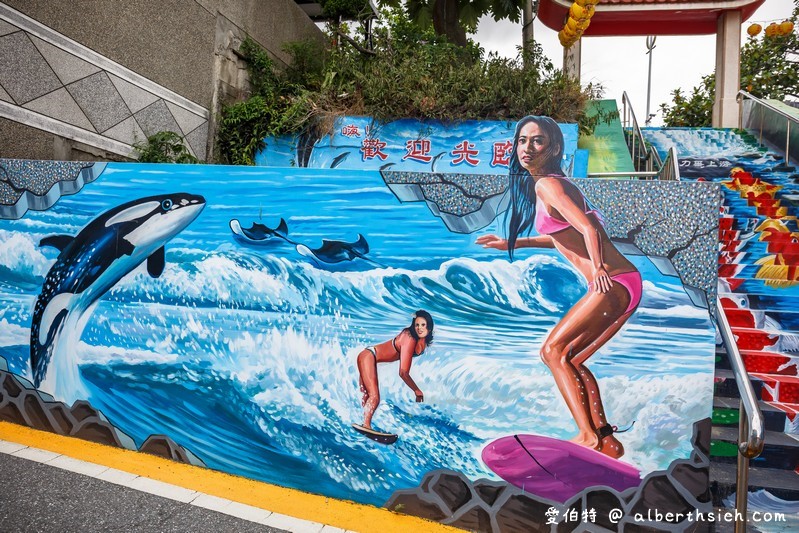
(421, 313)
(521, 186)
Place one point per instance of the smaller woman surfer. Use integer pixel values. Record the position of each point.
(409, 343)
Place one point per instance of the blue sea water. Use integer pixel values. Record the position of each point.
(245, 355)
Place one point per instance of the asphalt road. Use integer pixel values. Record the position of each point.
(41, 498)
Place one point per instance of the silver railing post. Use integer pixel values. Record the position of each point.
(750, 426)
(637, 145)
(790, 120)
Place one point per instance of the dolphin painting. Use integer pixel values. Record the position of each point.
(102, 253)
(259, 233)
(332, 252)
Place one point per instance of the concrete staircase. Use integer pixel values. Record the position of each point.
(759, 291)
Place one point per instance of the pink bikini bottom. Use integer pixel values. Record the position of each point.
(630, 281)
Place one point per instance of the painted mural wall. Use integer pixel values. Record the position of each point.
(250, 315)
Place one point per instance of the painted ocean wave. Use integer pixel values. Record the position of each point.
(295, 398)
(458, 288)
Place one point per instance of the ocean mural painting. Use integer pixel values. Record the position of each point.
(360, 143)
(226, 307)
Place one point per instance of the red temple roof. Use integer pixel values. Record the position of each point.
(648, 17)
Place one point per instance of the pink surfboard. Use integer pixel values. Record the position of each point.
(555, 469)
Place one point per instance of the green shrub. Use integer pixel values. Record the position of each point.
(408, 73)
(164, 147)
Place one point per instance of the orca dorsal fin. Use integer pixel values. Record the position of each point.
(58, 242)
(156, 263)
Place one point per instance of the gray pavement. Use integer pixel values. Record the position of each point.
(42, 498)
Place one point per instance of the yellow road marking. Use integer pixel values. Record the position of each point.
(339, 513)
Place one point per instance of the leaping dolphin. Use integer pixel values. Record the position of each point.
(332, 252)
(102, 253)
(259, 233)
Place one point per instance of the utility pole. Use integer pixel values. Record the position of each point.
(650, 45)
(528, 16)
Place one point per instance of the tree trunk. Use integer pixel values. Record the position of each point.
(447, 22)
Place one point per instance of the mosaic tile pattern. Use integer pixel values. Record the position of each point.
(38, 185)
(47, 80)
(675, 224)
(671, 220)
(455, 194)
(464, 202)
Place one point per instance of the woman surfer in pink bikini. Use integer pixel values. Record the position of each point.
(542, 197)
(411, 342)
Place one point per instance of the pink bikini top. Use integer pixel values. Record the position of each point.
(546, 224)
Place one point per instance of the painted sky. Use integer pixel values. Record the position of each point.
(621, 63)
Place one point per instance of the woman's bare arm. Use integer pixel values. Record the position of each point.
(498, 243)
(552, 192)
(407, 345)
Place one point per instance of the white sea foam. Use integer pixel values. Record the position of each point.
(12, 334)
(19, 254)
(103, 355)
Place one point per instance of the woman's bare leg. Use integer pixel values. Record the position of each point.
(608, 445)
(583, 330)
(367, 367)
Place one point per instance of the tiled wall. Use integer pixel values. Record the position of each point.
(51, 82)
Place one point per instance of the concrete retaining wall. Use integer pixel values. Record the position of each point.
(175, 56)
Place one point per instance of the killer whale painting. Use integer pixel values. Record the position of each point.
(92, 262)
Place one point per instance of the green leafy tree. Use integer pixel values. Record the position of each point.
(769, 69)
(453, 18)
(695, 109)
(346, 9)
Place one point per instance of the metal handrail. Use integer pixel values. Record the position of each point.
(743, 94)
(655, 157)
(750, 427)
(670, 168)
(667, 171)
(622, 174)
(639, 150)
